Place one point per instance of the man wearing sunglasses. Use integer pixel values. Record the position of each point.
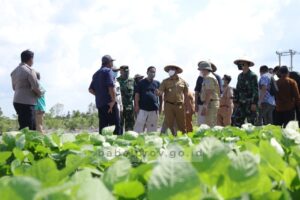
(246, 97)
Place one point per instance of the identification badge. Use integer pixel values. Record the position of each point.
(170, 90)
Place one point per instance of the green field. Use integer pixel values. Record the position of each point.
(219, 163)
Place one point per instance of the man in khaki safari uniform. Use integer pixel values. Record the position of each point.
(175, 90)
(226, 103)
(210, 94)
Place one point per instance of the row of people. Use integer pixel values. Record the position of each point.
(135, 104)
(216, 103)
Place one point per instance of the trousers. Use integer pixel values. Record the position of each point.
(26, 116)
(175, 113)
(109, 119)
(146, 119)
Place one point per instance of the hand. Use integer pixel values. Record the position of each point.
(253, 108)
(111, 105)
(204, 111)
(157, 92)
(189, 110)
(136, 109)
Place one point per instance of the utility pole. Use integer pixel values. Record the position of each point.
(290, 53)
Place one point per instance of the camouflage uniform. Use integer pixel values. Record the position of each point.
(246, 94)
(127, 92)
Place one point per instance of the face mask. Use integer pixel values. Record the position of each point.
(126, 74)
(115, 74)
(171, 73)
(151, 75)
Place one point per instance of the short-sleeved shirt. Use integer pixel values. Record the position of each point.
(198, 89)
(102, 80)
(265, 80)
(24, 81)
(149, 101)
(174, 89)
(210, 83)
(226, 97)
(41, 103)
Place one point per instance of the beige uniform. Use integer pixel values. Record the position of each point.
(226, 107)
(174, 89)
(189, 115)
(211, 83)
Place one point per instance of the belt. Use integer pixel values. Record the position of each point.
(214, 100)
(224, 106)
(176, 104)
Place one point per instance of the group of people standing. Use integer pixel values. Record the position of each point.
(29, 95)
(136, 103)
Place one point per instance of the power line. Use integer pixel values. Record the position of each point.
(290, 53)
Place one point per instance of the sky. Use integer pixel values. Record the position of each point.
(69, 37)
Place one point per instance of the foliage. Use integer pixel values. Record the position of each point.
(218, 163)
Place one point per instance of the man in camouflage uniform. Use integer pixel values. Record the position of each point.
(246, 94)
(127, 92)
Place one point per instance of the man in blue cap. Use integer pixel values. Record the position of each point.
(103, 87)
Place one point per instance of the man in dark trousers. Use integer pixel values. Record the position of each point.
(246, 98)
(103, 87)
(26, 88)
(296, 77)
(287, 98)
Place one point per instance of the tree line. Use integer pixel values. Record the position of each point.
(56, 118)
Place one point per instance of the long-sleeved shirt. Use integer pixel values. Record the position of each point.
(247, 88)
(24, 81)
(288, 95)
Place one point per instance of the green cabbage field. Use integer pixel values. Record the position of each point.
(210, 163)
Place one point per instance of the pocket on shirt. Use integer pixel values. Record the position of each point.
(180, 87)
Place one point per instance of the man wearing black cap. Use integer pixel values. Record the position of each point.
(127, 92)
(103, 87)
